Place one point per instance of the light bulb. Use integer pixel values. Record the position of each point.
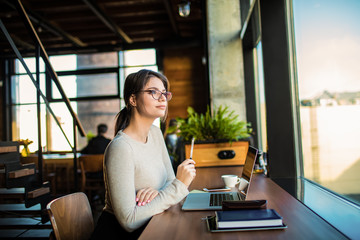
(184, 9)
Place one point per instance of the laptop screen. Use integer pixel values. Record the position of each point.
(202, 201)
(249, 164)
(246, 175)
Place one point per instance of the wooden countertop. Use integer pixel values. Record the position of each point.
(301, 221)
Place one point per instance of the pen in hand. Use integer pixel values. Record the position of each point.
(192, 147)
(186, 170)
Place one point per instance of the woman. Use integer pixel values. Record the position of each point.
(139, 178)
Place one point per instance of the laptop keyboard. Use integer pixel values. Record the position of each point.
(216, 199)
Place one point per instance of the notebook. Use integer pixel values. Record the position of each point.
(211, 222)
(213, 201)
(248, 218)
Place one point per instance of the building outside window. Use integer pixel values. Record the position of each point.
(327, 38)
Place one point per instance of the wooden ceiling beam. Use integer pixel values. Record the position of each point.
(21, 42)
(171, 16)
(126, 3)
(161, 44)
(40, 21)
(107, 21)
(142, 21)
(17, 40)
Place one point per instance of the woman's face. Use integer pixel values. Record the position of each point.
(147, 105)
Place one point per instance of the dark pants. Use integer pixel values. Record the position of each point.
(108, 227)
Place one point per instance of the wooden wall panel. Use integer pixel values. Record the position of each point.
(188, 81)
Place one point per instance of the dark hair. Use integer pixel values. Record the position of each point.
(102, 128)
(134, 83)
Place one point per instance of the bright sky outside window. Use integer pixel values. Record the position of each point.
(327, 38)
(140, 57)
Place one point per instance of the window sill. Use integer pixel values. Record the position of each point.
(337, 211)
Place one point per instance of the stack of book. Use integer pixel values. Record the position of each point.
(249, 218)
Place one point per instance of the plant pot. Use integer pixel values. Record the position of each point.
(218, 154)
(25, 151)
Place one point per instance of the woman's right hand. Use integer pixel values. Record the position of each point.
(186, 172)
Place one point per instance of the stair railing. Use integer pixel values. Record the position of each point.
(40, 52)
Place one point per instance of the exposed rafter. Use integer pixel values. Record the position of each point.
(171, 16)
(107, 21)
(97, 25)
(22, 43)
(49, 26)
(166, 44)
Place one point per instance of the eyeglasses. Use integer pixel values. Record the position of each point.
(156, 94)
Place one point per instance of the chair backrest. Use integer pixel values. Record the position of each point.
(91, 162)
(71, 217)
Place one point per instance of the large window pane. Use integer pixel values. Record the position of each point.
(135, 69)
(68, 84)
(25, 117)
(63, 62)
(140, 57)
(327, 38)
(30, 63)
(26, 91)
(87, 85)
(58, 141)
(93, 113)
(260, 97)
(97, 60)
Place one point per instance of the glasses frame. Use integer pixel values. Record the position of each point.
(154, 91)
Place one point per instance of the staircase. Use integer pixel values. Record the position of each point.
(23, 197)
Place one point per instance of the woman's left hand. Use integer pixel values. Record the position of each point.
(145, 196)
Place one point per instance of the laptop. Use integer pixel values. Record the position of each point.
(213, 200)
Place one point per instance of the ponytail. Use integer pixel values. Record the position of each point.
(122, 119)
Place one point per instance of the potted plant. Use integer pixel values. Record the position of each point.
(220, 137)
(25, 142)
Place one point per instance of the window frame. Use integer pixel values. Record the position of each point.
(120, 77)
(344, 214)
(283, 118)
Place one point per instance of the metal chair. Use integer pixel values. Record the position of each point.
(71, 217)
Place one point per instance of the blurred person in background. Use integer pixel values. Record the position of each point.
(98, 144)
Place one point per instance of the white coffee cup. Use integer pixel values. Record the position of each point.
(230, 180)
(243, 184)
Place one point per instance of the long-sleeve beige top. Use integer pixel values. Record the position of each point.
(129, 166)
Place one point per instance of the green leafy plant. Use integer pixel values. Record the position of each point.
(223, 124)
(90, 135)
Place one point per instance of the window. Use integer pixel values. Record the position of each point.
(260, 98)
(327, 47)
(328, 53)
(92, 82)
(254, 72)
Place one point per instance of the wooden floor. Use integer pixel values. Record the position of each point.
(25, 234)
(19, 222)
